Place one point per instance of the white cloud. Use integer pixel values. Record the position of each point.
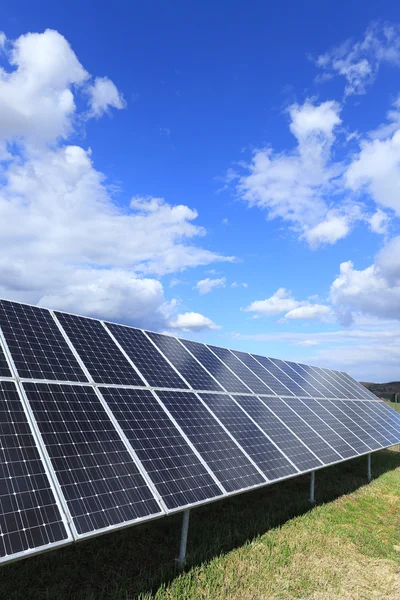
(236, 284)
(359, 62)
(192, 321)
(3, 39)
(205, 286)
(103, 94)
(378, 222)
(282, 301)
(333, 228)
(165, 131)
(66, 243)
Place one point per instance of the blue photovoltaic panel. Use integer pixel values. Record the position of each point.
(378, 422)
(339, 422)
(4, 368)
(335, 407)
(288, 443)
(98, 477)
(187, 366)
(315, 380)
(322, 426)
(388, 415)
(146, 358)
(351, 391)
(360, 389)
(247, 376)
(308, 436)
(355, 411)
(37, 346)
(217, 368)
(303, 380)
(280, 375)
(102, 358)
(334, 386)
(274, 384)
(266, 456)
(29, 515)
(177, 473)
(228, 463)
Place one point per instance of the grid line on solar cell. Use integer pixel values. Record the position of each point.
(307, 435)
(321, 426)
(356, 385)
(4, 368)
(339, 422)
(286, 441)
(98, 352)
(29, 515)
(274, 384)
(267, 456)
(364, 421)
(146, 357)
(351, 389)
(342, 391)
(315, 380)
(226, 460)
(36, 345)
(186, 365)
(297, 378)
(292, 369)
(334, 406)
(177, 473)
(388, 416)
(215, 367)
(280, 375)
(379, 422)
(244, 374)
(100, 481)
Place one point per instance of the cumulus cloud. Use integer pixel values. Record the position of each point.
(359, 62)
(205, 286)
(103, 94)
(282, 301)
(68, 243)
(192, 321)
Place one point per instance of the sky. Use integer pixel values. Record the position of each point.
(227, 172)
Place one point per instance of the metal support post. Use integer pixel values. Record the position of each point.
(369, 472)
(182, 550)
(312, 488)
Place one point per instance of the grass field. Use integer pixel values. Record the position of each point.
(264, 545)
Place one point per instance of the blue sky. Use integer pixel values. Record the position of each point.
(226, 172)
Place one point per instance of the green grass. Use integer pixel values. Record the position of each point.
(267, 544)
(395, 405)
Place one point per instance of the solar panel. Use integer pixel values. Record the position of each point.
(363, 392)
(4, 368)
(277, 431)
(227, 461)
(100, 481)
(355, 411)
(102, 358)
(177, 473)
(280, 375)
(321, 426)
(187, 366)
(324, 389)
(147, 359)
(217, 368)
(298, 377)
(274, 384)
(336, 408)
(262, 451)
(378, 422)
(331, 384)
(247, 376)
(37, 346)
(352, 391)
(30, 518)
(304, 432)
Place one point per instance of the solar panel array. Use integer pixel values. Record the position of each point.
(104, 425)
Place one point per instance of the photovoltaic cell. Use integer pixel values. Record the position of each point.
(98, 477)
(147, 359)
(354, 409)
(363, 392)
(4, 368)
(102, 358)
(241, 371)
(280, 375)
(378, 422)
(214, 366)
(352, 391)
(187, 366)
(266, 456)
(389, 416)
(304, 410)
(334, 386)
(292, 370)
(29, 515)
(339, 422)
(307, 435)
(274, 384)
(231, 467)
(177, 473)
(37, 346)
(315, 380)
(288, 443)
(335, 407)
